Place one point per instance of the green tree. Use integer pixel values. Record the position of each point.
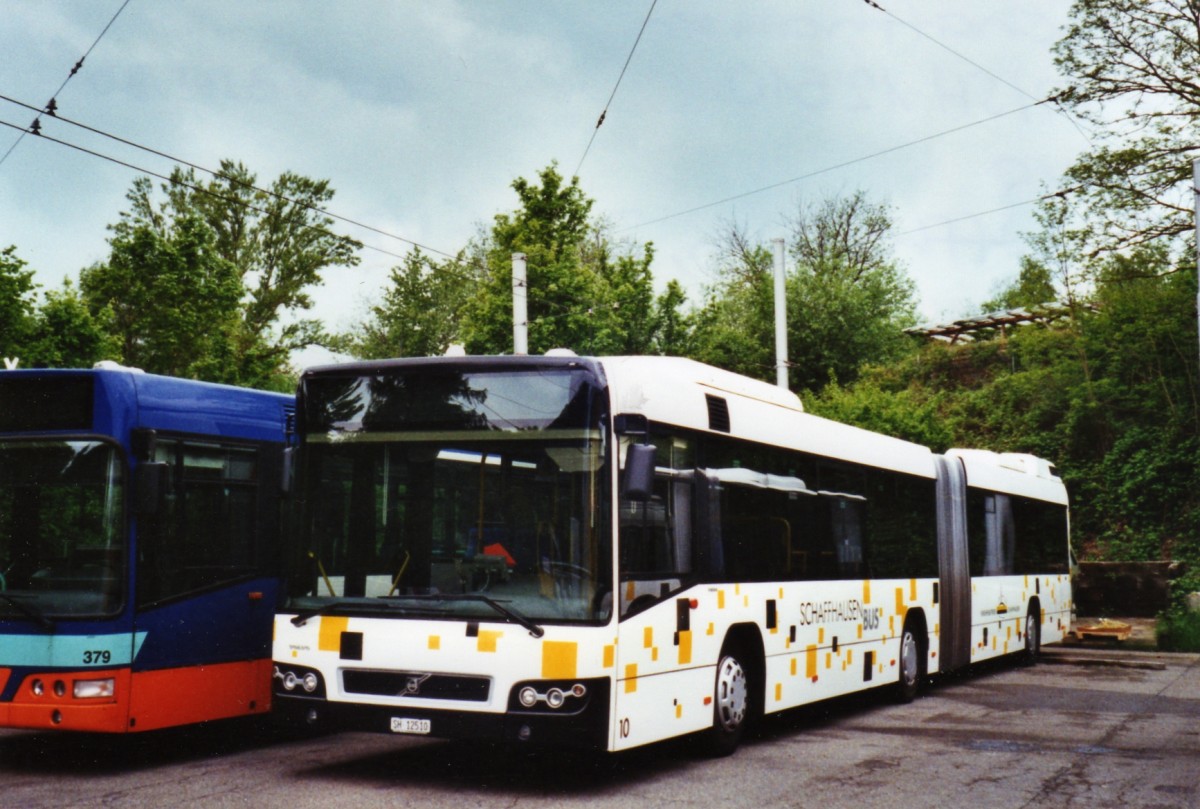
(419, 314)
(1111, 397)
(1131, 68)
(848, 301)
(672, 325)
(281, 242)
(257, 252)
(18, 297)
(734, 329)
(584, 292)
(65, 334)
(624, 311)
(174, 300)
(1034, 286)
(551, 227)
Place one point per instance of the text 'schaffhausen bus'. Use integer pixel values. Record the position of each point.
(138, 570)
(613, 551)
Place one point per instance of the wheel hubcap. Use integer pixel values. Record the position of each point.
(732, 698)
(908, 659)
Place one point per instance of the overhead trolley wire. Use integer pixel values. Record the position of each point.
(613, 94)
(837, 166)
(211, 172)
(1061, 193)
(218, 175)
(980, 67)
(207, 192)
(958, 219)
(947, 48)
(51, 107)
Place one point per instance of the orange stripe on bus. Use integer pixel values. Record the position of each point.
(170, 697)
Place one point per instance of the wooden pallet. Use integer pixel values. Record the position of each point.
(1103, 629)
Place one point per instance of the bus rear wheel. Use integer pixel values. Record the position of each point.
(732, 701)
(1033, 636)
(909, 682)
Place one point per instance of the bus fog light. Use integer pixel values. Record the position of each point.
(310, 682)
(38, 688)
(94, 689)
(555, 698)
(528, 696)
(290, 681)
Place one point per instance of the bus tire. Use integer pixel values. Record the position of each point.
(733, 702)
(1033, 635)
(908, 684)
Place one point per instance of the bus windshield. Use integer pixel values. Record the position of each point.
(61, 543)
(435, 492)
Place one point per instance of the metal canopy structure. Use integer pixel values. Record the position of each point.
(988, 325)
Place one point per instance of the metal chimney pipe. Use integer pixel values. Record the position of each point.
(520, 290)
(781, 363)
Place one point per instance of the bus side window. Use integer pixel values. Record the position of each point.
(208, 528)
(846, 526)
(1041, 535)
(656, 532)
(1001, 535)
(991, 533)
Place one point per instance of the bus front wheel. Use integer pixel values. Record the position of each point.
(731, 703)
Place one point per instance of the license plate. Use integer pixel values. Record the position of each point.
(404, 725)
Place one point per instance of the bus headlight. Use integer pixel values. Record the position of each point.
(291, 679)
(94, 689)
(38, 688)
(567, 696)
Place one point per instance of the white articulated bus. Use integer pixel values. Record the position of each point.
(608, 552)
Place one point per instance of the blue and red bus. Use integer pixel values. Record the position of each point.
(139, 519)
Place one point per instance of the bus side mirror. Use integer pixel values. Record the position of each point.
(150, 485)
(287, 470)
(638, 480)
(143, 441)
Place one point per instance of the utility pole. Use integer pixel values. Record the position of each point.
(781, 363)
(520, 290)
(1196, 200)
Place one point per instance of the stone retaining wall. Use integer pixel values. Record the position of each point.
(1131, 589)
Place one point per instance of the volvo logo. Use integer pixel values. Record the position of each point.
(412, 686)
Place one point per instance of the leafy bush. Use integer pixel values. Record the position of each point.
(1179, 632)
(1178, 626)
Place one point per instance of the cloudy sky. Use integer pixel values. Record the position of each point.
(421, 114)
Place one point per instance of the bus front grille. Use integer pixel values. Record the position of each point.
(419, 684)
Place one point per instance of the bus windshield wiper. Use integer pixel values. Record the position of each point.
(512, 615)
(325, 609)
(29, 611)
